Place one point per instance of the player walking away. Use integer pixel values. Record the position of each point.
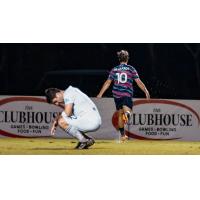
(123, 76)
(80, 114)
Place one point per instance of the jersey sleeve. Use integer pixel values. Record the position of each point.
(111, 75)
(135, 74)
(68, 98)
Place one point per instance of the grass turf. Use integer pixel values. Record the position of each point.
(51, 146)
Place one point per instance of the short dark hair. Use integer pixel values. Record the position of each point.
(50, 94)
(123, 56)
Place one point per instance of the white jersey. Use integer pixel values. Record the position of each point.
(85, 116)
(82, 104)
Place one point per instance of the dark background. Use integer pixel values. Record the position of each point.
(168, 70)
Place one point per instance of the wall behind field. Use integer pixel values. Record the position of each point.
(157, 119)
(168, 70)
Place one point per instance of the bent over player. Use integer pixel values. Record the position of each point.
(80, 114)
(123, 75)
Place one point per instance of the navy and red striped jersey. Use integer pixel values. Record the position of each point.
(123, 76)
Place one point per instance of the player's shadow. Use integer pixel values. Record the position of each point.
(50, 148)
(89, 149)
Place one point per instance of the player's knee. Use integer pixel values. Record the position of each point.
(62, 123)
(126, 109)
(120, 112)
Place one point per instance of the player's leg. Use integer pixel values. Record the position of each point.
(121, 121)
(127, 109)
(126, 114)
(71, 130)
(119, 107)
(90, 122)
(64, 123)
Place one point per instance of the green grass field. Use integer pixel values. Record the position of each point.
(51, 146)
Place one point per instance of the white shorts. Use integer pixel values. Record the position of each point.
(88, 122)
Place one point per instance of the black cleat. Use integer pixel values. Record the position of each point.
(90, 142)
(81, 145)
(85, 145)
(77, 146)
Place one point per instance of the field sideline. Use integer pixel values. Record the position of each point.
(51, 146)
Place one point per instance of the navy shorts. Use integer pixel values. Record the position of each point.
(123, 101)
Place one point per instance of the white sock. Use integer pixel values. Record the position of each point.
(73, 131)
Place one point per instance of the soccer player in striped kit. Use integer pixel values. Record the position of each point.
(122, 76)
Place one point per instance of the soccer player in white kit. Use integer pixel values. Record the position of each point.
(80, 114)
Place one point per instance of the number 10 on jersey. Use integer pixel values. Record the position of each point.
(121, 77)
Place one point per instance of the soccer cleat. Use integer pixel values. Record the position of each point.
(90, 142)
(81, 145)
(85, 145)
(77, 146)
(124, 138)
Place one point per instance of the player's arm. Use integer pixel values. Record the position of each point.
(69, 99)
(55, 124)
(142, 87)
(105, 86)
(68, 109)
